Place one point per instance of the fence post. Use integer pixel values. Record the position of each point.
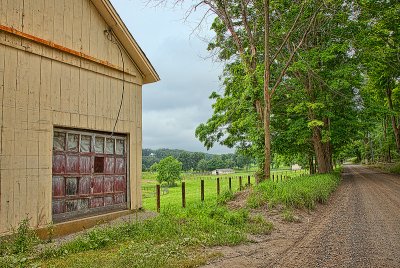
(273, 177)
(230, 184)
(158, 197)
(240, 183)
(202, 190)
(183, 194)
(218, 187)
(248, 180)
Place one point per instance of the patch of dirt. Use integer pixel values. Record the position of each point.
(239, 199)
(359, 227)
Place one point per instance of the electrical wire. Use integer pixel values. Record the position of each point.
(109, 34)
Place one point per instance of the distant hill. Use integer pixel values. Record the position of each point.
(195, 160)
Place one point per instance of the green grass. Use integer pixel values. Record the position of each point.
(174, 195)
(172, 239)
(298, 192)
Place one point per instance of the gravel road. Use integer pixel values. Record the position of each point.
(360, 227)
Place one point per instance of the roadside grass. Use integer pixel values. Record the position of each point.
(388, 167)
(172, 239)
(298, 192)
(173, 197)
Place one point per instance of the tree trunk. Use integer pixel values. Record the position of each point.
(319, 151)
(267, 139)
(311, 163)
(396, 130)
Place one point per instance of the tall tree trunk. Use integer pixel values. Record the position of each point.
(267, 96)
(388, 157)
(396, 129)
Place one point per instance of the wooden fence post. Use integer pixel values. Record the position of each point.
(273, 177)
(240, 183)
(230, 184)
(248, 180)
(202, 190)
(158, 197)
(218, 187)
(183, 194)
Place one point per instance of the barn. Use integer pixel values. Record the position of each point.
(71, 77)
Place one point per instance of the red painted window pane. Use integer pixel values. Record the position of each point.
(108, 184)
(58, 186)
(71, 186)
(72, 164)
(119, 184)
(109, 165)
(119, 198)
(97, 185)
(84, 185)
(71, 205)
(59, 141)
(108, 200)
(83, 203)
(96, 202)
(85, 164)
(58, 164)
(58, 206)
(119, 165)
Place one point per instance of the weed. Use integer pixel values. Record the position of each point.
(225, 197)
(288, 216)
(300, 192)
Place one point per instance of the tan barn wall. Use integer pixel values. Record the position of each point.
(42, 87)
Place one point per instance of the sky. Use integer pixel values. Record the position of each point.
(176, 105)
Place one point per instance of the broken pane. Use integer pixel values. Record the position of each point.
(99, 145)
(71, 186)
(120, 149)
(85, 143)
(73, 142)
(109, 146)
(59, 141)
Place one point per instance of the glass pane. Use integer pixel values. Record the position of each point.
(99, 145)
(85, 143)
(110, 146)
(59, 141)
(71, 186)
(120, 149)
(73, 142)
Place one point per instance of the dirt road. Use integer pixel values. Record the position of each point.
(360, 227)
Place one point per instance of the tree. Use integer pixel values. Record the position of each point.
(255, 35)
(169, 170)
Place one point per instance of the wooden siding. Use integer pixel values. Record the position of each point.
(42, 87)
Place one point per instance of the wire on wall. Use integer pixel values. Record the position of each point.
(111, 37)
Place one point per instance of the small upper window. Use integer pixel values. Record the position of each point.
(59, 141)
(73, 140)
(110, 146)
(85, 143)
(99, 145)
(120, 147)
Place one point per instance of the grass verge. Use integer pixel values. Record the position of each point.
(298, 192)
(172, 239)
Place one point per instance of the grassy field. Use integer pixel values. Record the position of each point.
(173, 196)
